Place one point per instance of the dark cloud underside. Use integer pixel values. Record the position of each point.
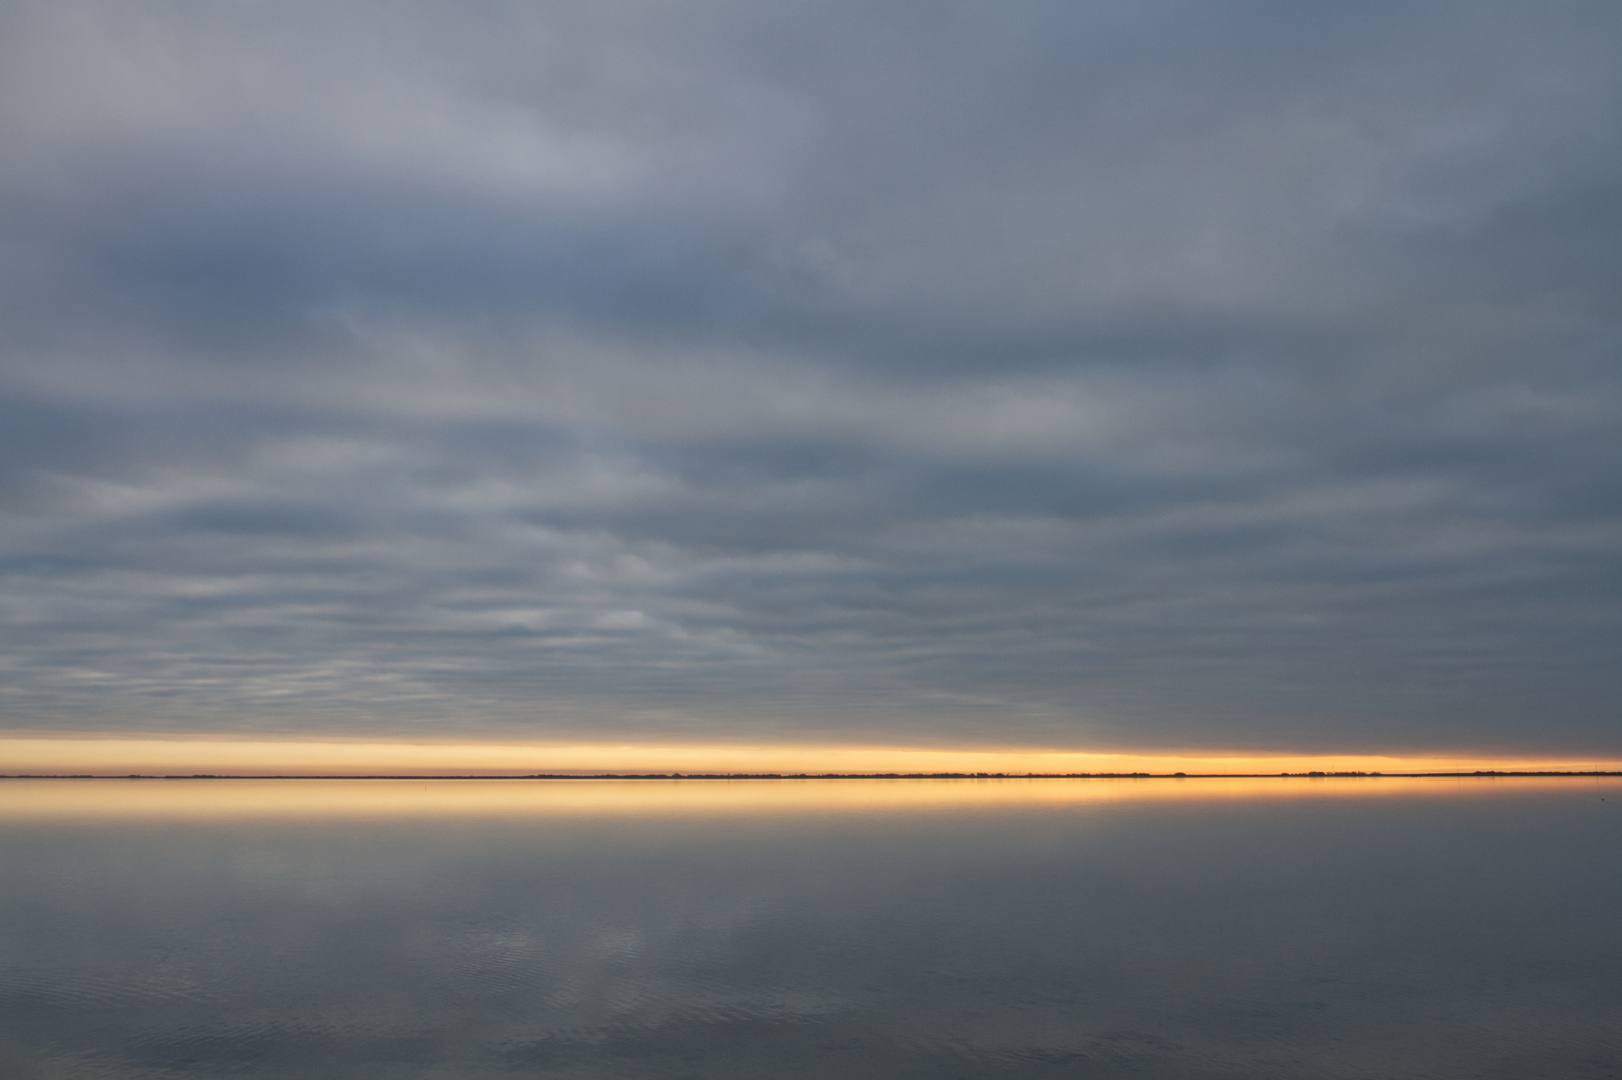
(1138, 374)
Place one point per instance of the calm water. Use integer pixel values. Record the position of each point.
(897, 929)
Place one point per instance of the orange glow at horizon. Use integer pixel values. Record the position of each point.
(187, 756)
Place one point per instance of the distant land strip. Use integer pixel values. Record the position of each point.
(806, 776)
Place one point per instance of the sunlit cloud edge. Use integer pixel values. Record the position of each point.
(170, 755)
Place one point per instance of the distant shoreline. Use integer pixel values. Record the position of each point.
(1471, 774)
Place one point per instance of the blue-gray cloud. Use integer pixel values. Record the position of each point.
(1238, 375)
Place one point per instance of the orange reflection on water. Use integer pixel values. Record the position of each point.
(129, 801)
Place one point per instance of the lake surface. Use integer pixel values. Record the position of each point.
(1294, 927)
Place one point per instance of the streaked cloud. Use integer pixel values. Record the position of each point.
(1237, 375)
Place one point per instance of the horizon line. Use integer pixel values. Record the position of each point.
(1309, 775)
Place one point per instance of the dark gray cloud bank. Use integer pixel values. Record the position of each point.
(1233, 374)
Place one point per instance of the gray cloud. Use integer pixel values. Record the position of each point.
(1235, 375)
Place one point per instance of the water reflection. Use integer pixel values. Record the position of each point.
(114, 801)
(1354, 928)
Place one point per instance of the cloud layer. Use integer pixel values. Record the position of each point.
(1237, 375)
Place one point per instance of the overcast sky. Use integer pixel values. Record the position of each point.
(1106, 374)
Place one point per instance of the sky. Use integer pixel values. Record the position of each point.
(1229, 377)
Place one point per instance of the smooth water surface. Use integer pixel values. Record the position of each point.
(883, 928)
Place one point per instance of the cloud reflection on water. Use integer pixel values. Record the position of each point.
(1351, 928)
